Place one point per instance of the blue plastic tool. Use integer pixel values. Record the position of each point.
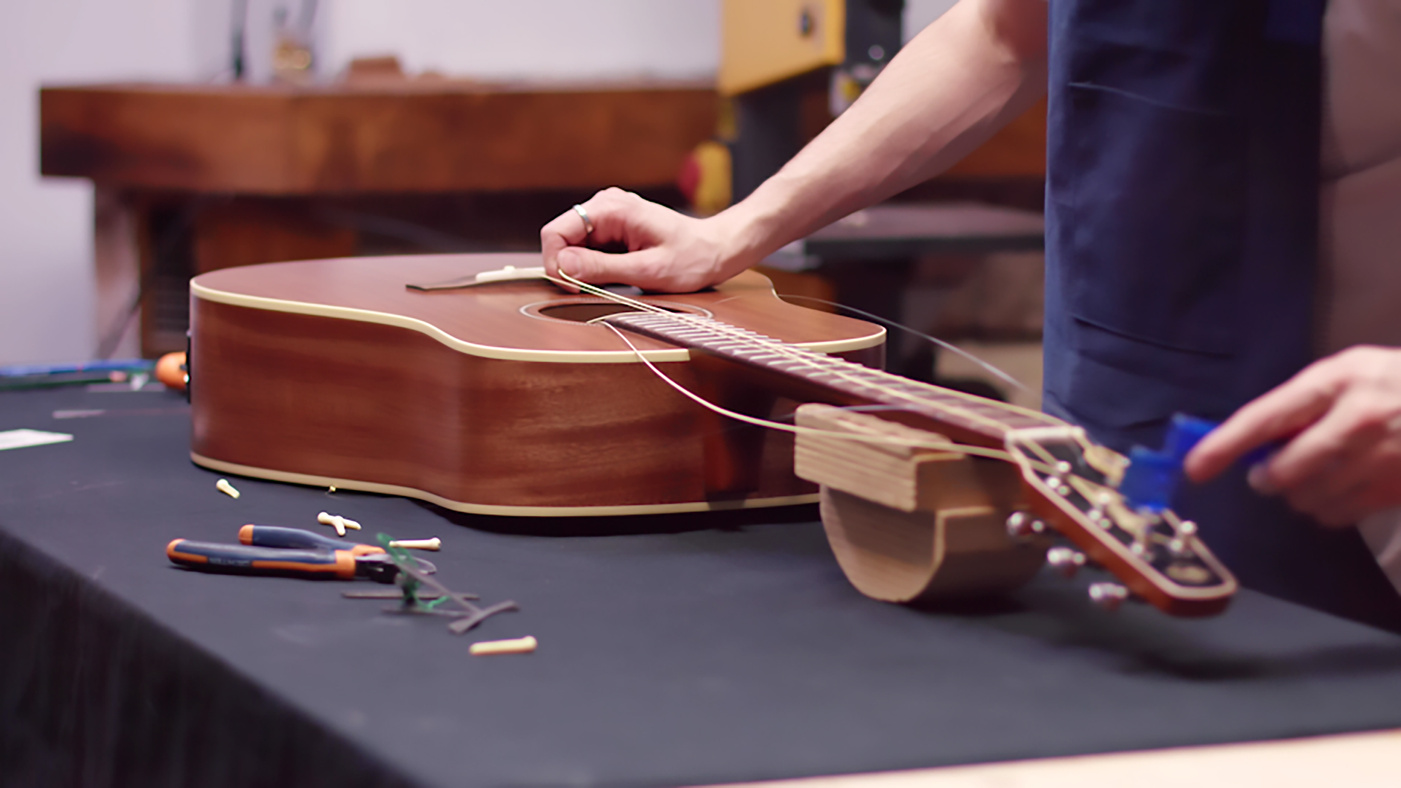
(1152, 476)
(1183, 433)
(1150, 479)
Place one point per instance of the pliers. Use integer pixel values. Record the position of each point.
(289, 552)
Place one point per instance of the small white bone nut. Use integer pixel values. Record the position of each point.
(224, 487)
(418, 544)
(333, 520)
(523, 645)
(338, 522)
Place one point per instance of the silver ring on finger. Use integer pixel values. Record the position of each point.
(588, 223)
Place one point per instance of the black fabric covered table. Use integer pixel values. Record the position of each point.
(673, 650)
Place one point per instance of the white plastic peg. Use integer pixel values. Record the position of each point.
(418, 544)
(523, 645)
(224, 487)
(337, 522)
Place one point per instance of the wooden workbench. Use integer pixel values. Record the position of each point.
(191, 178)
(409, 136)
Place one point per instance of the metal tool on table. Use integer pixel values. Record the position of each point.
(298, 539)
(291, 552)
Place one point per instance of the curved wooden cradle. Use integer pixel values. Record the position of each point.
(910, 525)
(925, 555)
(330, 372)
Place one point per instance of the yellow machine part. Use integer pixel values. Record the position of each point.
(766, 41)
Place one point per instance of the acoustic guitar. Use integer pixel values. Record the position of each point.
(468, 381)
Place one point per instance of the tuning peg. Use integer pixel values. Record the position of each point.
(1108, 596)
(1065, 560)
(1021, 525)
(1142, 545)
(1181, 544)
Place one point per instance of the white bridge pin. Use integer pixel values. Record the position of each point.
(337, 522)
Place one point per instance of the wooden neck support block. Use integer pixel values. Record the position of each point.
(912, 524)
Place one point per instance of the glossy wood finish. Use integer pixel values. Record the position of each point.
(473, 403)
(411, 136)
(491, 317)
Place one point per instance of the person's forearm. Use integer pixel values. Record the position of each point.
(950, 88)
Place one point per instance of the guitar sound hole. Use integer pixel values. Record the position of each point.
(583, 309)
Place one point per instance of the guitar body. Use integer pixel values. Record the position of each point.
(493, 399)
(514, 398)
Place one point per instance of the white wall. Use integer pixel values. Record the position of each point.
(919, 13)
(551, 39)
(46, 285)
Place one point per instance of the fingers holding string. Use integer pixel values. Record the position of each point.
(563, 231)
(598, 221)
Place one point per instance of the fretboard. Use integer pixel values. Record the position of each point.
(986, 418)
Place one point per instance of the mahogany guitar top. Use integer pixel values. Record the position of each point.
(509, 320)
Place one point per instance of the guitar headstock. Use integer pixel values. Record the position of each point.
(1073, 487)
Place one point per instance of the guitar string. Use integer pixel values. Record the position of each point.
(986, 366)
(948, 445)
(1050, 469)
(807, 358)
(832, 366)
(890, 323)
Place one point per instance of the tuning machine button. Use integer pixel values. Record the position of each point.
(1108, 596)
(1181, 544)
(1021, 525)
(1065, 560)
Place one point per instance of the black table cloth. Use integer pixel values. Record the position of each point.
(673, 650)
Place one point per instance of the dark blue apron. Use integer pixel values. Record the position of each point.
(1181, 246)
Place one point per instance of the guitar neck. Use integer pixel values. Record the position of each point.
(975, 419)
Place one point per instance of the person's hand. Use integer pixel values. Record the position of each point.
(667, 252)
(1341, 417)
